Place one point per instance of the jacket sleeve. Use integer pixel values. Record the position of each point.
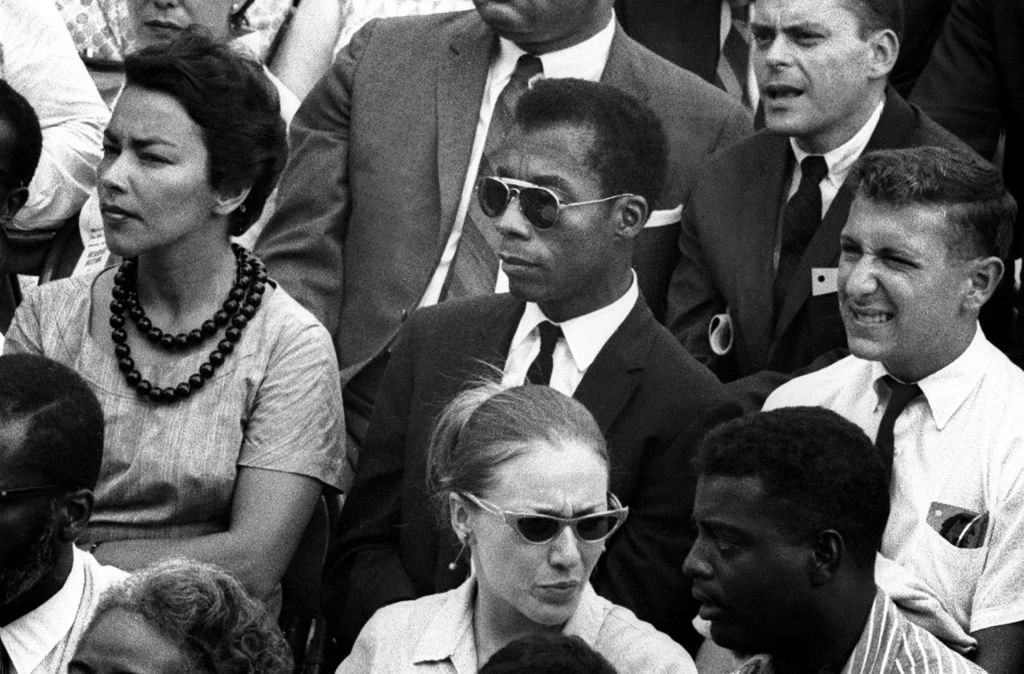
(303, 242)
(363, 571)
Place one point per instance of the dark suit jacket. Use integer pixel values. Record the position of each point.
(378, 158)
(687, 32)
(727, 241)
(973, 86)
(648, 396)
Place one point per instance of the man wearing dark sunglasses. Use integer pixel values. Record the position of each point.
(51, 444)
(371, 217)
(572, 189)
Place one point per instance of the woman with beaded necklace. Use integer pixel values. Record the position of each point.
(220, 392)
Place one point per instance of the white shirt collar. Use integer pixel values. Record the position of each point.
(947, 389)
(31, 637)
(840, 159)
(584, 335)
(585, 60)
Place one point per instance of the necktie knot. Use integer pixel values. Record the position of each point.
(740, 11)
(900, 395)
(813, 168)
(549, 334)
(527, 67)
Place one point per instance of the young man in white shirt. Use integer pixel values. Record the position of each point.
(921, 254)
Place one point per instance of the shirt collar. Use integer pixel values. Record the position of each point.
(30, 638)
(584, 335)
(948, 388)
(449, 634)
(585, 60)
(840, 159)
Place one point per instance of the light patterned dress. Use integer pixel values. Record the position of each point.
(169, 471)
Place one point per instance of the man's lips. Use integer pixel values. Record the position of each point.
(508, 260)
(777, 91)
(709, 609)
(161, 26)
(869, 315)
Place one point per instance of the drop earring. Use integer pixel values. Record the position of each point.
(454, 563)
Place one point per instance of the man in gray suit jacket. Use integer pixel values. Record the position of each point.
(384, 155)
(735, 303)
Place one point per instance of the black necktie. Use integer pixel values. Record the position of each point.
(800, 220)
(540, 368)
(5, 661)
(475, 265)
(900, 395)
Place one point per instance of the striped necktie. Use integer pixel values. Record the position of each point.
(734, 62)
(475, 266)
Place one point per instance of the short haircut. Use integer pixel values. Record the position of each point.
(207, 613)
(979, 211)
(17, 114)
(548, 654)
(229, 97)
(877, 15)
(63, 419)
(490, 424)
(628, 151)
(823, 468)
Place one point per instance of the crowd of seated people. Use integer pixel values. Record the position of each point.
(545, 351)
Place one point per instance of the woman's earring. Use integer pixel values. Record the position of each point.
(454, 564)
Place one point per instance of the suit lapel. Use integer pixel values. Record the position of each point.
(759, 217)
(462, 75)
(614, 375)
(495, 326)
(894, 125)
(622, 69)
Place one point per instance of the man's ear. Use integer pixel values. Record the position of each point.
(225, 203)
(15, 199)
(77, 509)
(826, 554)
(632, 216)
(983, 276)
(885, 47)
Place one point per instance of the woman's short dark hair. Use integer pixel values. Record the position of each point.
(229, 97)
(206, 612)
(490, 424)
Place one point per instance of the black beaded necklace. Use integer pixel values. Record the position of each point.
(238, 309)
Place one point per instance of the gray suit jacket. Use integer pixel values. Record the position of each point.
(379, 153)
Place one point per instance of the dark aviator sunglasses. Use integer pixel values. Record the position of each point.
(539, 205)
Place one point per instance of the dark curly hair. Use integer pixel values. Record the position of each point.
(19, 116)
(229, 97)
(548, 654)
(203, 609)
(64, 420)
(816, 462)
(979, 210)
(628, 151)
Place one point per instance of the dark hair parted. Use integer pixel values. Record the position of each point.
(979, 211)
(876, 15)
(19, 116)
(548, 654)
(237, 108)
(207, 613)
(628, 147)
(489, 424)
(823, 468)
(63, 419)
